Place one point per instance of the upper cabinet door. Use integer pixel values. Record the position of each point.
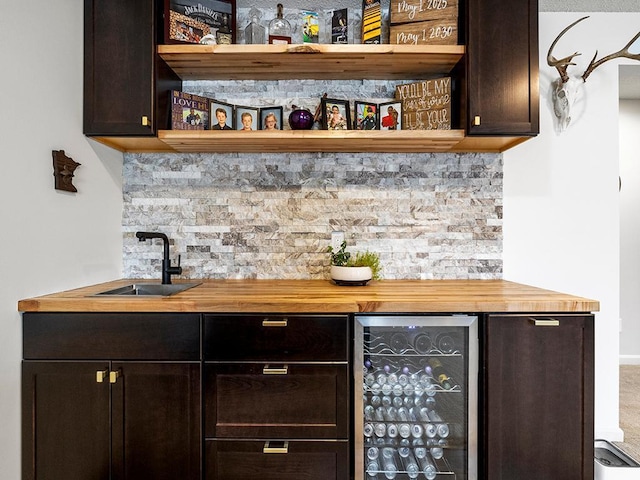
(119, 52)
(502, 67)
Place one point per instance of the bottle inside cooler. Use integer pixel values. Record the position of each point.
(415, 401)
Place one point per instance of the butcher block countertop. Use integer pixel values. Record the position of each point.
(320, 296)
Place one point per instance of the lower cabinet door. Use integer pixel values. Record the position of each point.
(538, 380)
(276, 401)
(66, 427)
(156, 421)
(276, 460)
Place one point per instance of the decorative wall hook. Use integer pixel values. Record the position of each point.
(63, 168)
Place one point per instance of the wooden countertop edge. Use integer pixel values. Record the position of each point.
(321, 296)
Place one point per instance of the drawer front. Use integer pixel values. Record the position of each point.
(276, 338)
(117, 336)
(264, 460)
(276, 401)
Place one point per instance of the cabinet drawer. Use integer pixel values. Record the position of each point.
(276, 401)
(244, 460)
(117, 336)
(276, 338)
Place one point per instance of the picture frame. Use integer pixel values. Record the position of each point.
(340, 26)
(386, 113)
(266, 113)
(242, 114)
(216, 107)
(185, 19)
(365, 116)
(333, 119)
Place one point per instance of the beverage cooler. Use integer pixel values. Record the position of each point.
(416, 397)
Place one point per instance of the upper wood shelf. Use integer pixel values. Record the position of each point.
(283, 62)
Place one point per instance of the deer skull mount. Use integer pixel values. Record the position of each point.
(566, 89)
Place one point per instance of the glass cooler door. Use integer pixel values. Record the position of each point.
(416, 397)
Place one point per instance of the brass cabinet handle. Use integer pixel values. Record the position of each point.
(101, 375)
(283, 447)
(267, 370)
(145, 121)
(274, 323)
(476, 120)
(545, 322)
(113, 376)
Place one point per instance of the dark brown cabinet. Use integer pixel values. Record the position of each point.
(128, 80)
(502, 92)
(126, 83)
(536, 401)
(276, 396)
(114, 418)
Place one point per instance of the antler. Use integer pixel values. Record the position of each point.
(623, 53)
(562, 64)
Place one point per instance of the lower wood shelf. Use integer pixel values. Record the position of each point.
(296, 141)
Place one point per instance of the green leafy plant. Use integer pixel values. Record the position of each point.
(343, 258)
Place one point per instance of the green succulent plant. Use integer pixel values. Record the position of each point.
(343, 258)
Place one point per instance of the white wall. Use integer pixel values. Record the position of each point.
(51, 240)
(561, 205)
(630, 231)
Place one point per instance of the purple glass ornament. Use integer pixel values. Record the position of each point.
(301, 119)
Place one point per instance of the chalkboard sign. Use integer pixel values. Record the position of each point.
(432, 32)
(426, 105)
(404, 11)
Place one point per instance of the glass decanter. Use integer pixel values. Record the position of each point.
(279, 28)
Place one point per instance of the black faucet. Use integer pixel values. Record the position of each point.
(167, 269)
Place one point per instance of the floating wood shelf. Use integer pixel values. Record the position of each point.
(337, 62)
(287, 141)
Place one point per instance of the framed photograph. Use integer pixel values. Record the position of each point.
(336, 114)
(222, 115)
(247, 118)
(189, 20)
(310, 28)
(366, 116)
(186, 29)
(390, 115)
(189, 112)
(339, 26)
(271, 118)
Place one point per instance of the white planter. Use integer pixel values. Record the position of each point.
(351, 275)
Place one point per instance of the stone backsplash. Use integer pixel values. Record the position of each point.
(430, 216)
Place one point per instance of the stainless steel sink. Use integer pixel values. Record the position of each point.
(149, 289)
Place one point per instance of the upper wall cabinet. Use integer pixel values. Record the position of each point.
(126, 85)
(502, 67)
(129, 73)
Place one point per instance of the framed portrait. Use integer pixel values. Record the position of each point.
(336, 114)
(271, 118)
(390, 115)
(221, 115)
(189, 20)
(247, 118)
(366, 116)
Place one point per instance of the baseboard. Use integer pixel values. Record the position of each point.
(613, 434)
(629, 359)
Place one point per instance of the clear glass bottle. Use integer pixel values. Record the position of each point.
(254, 33)
(279, 28)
